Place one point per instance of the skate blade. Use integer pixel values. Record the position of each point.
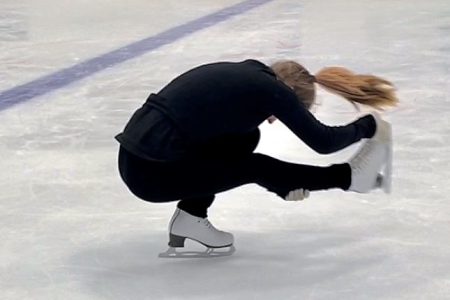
(208, 253)
(387, 176)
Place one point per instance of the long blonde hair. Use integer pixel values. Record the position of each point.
(368, 90)
(357, 88)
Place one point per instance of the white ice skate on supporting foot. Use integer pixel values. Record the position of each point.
(186, 226)
(372, 165)
(208, 253)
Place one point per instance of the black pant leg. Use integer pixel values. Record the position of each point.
(197, 206)
(202, 178)
(207, 177)
(226, 147)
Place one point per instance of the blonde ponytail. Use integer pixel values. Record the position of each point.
(364, 89)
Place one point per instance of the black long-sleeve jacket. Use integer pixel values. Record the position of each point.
(226, 99)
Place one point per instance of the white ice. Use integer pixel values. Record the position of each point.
(69, 228)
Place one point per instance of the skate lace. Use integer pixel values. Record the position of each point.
(205, 222)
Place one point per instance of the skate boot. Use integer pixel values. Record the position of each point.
(371, 166)
(384, 136)
(184, 226)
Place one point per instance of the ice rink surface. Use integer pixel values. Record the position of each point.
(69, 228)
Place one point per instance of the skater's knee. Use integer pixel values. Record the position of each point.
(155, 199)
(262, 161)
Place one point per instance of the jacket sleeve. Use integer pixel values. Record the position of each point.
(318, 136)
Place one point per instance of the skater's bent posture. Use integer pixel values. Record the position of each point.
(195, 138)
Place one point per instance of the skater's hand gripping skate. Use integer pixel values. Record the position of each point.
(297, 195)
(383, 131)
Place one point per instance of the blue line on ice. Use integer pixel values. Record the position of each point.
(64, 77)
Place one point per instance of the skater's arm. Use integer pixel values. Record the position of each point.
(320, 137)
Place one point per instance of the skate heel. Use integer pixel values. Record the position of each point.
(176, 241)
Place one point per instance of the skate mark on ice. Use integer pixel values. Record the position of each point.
(62, 78)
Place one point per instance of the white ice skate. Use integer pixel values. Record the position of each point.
(184, 226)
(372, 165)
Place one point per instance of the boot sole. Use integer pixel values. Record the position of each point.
(177, 241)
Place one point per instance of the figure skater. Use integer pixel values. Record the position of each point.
(196, 138)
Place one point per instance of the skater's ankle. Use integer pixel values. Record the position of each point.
(347, 177)
(195, 212)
